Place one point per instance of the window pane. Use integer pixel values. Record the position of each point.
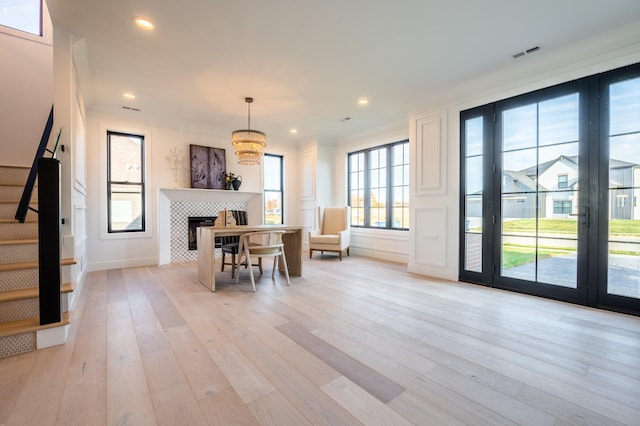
(357, 216)
(273, 193)
(357, 198)
(398, 155)
(126, 208)
(519, 171)
(273, 208)
(22, 15)
(398, 175)
(474, 174)
(559, 120)
(125, 153)
(400, 217)
(520, 127)
(272, 172)
(473, 136)
(625, 107)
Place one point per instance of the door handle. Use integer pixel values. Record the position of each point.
(584, 215)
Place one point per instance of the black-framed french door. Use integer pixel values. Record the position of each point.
(618, 254)
(549, 192)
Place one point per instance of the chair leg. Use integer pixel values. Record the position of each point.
(286, 268)
(253, 281)
(233, 265)
(310, 253)
(273, 270)
(348, 252)
(260, 265)
(340, 254)
(222, 268)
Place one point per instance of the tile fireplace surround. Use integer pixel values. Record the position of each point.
(175, 205)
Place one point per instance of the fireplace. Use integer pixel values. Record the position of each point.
(194, 223)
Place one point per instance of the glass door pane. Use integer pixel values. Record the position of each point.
(474, 172)
(624, 189)
(539, 199)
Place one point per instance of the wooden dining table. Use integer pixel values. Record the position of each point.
(207, 235)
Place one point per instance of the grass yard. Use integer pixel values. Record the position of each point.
(516, 255)
(617, 227)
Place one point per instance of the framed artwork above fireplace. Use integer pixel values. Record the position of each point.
(208, 167)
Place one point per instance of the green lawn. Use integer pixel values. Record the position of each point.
(516, 255)
(569, 226)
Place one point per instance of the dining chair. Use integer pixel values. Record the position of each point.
(270, 245)
(229, 245)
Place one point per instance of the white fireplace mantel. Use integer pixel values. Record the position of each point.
(166, 196)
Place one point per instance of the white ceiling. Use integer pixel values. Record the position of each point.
(307, 62)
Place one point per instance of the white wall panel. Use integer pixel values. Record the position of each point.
(308, 174)
(431, 237)
(429, 134)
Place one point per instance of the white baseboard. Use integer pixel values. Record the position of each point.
(122, 263)
(380, 254)
(432, 271)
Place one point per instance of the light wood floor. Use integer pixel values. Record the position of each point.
(352, 342)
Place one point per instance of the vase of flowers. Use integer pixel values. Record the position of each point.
(228, 180)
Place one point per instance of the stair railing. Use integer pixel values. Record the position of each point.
(47, 171)
(23, 206)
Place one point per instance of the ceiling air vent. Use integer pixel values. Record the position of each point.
(529, 51)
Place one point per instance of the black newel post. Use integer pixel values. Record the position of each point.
(49, 251)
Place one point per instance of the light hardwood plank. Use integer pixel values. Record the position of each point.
(273, 409)
(362, 405)
(13, 373)
(38, 404)
(86, 383)
(226, 408)
(127, 389)
(202, 373)
(248, 382)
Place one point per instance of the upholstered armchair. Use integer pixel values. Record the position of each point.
(334, 231)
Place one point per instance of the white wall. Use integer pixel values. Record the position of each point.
(26, 85)
(116, 251)
(70, 117)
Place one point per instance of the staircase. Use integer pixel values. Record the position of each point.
(20, 329)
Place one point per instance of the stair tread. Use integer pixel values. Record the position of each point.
(30, 292)
(29, 325)
(32, 264)
(10, 166)
(15, 221)
(16, 242)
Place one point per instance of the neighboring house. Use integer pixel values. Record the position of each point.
(556, 189)
(624, 179)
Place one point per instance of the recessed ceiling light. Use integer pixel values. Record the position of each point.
(129, 96)
(293, 131)
(144, 24)
(363, 101)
